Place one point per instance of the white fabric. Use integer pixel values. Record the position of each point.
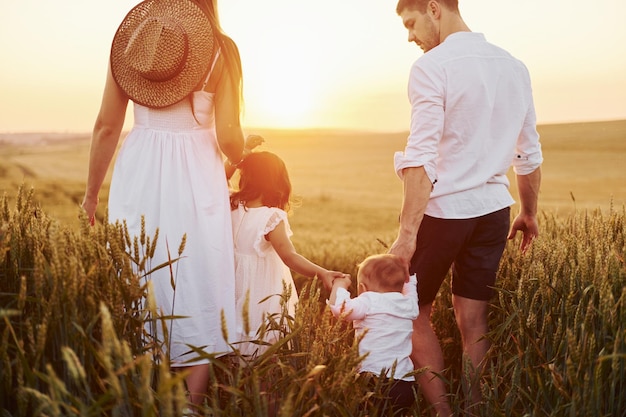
(170, 169)
(259, 271)
(472, 118)
(386, 318)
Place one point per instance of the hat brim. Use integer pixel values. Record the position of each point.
(199, 31)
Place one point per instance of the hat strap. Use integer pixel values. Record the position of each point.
(206, 81)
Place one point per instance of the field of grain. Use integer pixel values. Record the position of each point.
(72, 311)
(347, 190)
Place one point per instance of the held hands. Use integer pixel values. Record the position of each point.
(330, 277)
(403, 248)
(252, 141)
(343, 281)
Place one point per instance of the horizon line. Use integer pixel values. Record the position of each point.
(350, 130)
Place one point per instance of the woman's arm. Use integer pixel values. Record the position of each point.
(227, 121)
(104, 140)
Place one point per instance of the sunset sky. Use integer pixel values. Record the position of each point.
(320, 64)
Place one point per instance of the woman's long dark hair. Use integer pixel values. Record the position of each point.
(229, 50)
(263, 175)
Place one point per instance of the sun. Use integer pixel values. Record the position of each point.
(284, 71)
(283, 95)
(289, 106)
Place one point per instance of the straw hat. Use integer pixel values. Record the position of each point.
(162, 51)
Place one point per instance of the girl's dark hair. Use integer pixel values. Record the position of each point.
(263, 175)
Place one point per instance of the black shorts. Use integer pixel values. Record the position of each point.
(472, 247)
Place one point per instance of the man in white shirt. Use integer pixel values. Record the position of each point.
(472, 118)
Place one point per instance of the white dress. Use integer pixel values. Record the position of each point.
(170, 170)
(259, 271)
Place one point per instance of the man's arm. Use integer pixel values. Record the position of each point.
(417, 188)
(526, 221)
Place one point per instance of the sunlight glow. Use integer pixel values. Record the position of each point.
(315, 64)
(286, 96)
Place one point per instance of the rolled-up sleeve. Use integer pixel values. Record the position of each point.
(528, 155)
(427, 114)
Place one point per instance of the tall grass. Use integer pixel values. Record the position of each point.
(72, 321)
(72, 316)
(559, 323)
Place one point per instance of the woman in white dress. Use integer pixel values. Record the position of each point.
(171, 58)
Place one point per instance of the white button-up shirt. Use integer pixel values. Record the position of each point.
(472, 118)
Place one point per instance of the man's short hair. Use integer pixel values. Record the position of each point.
(420, 5)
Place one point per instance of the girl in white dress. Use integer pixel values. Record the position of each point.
(264, 253)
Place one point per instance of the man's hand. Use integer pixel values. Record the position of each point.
(526, 222)
(403, 249)
(417, 188)
(528, 226)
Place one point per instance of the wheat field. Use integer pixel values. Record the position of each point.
(72, 312)
(347, 193)
(345, 182)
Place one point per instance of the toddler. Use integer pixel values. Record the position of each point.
(383, 314)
